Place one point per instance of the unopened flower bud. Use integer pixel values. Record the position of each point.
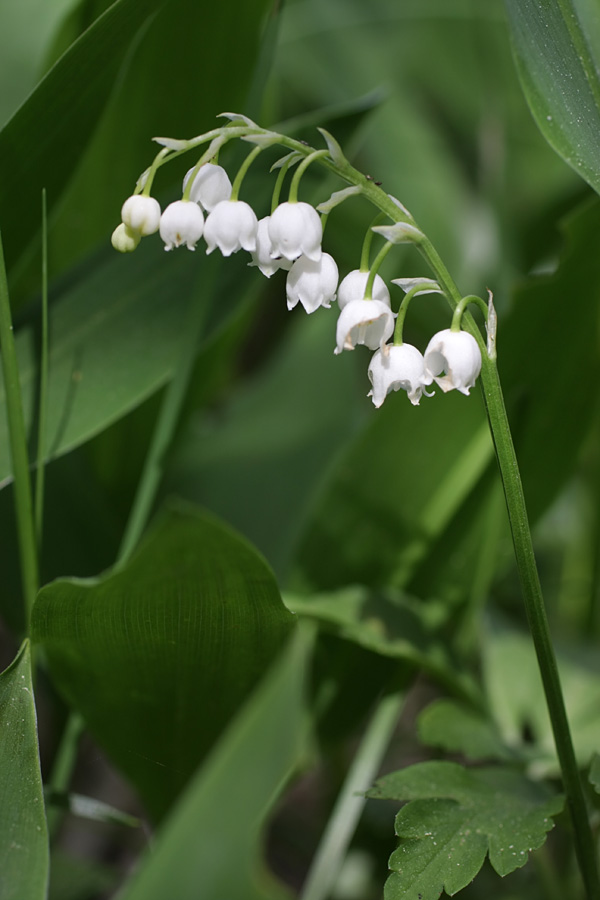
(124, 239)
(141, 214)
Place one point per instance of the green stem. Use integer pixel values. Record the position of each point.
(43, 404)
(373, 270)
(63, 766)
(18, 448)
(538, 624)
(237, 183)
(348, 807)
(316, 154)
(365, 254)
(398, 330)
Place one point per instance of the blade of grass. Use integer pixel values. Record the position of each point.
(18, 448)
(43, 403)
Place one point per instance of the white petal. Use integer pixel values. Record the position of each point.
(313, 284)
(261, 256)
(211, 185)
(457, 353)
(231, 225)
(182, 222)
(352, 287)
(295, 230)
(141, 214)
(368, 322)
(400, 368)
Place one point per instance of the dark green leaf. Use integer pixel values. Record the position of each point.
(24, 857)
(557, 50)
(458, 729)
(42, 143)
(456, 816)
(210, 845)
(595, 772)
(159, 655)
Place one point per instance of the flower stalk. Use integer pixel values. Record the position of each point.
(18, 448)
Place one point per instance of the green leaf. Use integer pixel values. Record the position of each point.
(159, 655)
(209, 846)
(456, 816)
(549, 360)
(384, 622)
(557, 51)
(595, 772)
(24, 856)
(116, 336)
(278, 422)
(458, 729)
(43, 142)
(390, 498)
(516, 698)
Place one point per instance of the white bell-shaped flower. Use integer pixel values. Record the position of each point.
(398, 368)
(230, 226)
(182, 222)
(313, 284)
(124, 239)
(141, 214)
(352, 287)
(210, 186)
(262, 257)
(295, 230)
(457, 354)
(368, 322)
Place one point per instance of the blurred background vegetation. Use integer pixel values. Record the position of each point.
(278, 438)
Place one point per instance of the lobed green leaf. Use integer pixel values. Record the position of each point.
(457, 816)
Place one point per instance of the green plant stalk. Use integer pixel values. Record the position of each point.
(40, 468)
(531, 589)
(342, 823)
(18, 448)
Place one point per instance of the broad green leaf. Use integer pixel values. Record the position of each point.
(24, 857)
(595, 772)
(166, 85)
(557, 51)
(43, 142)
(394, 491)
(455, 817)
(209, 847)
(458, 729)
(117, 332)
(158, 656)
(269, 446)
(549, 360)
(517, 704)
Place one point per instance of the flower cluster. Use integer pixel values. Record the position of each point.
(291, 239)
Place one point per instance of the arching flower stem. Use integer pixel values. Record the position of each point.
(316, 154)
(461, 307)
(397, 340)
(374, 267)
(365, 254)
(237, 182)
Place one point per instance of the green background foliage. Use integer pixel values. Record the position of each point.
(385, 530)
